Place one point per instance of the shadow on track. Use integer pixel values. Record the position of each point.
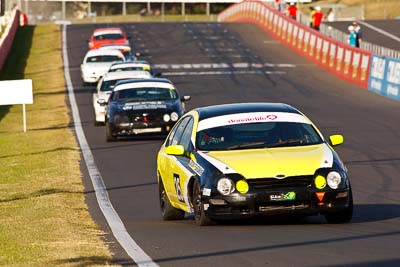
(363, 213)
(279, 246)
(123, 187)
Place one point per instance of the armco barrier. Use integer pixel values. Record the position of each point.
(385, 76)
(347, 62)
(7, 38)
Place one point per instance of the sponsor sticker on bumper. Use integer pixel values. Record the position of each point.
(147, 130)
(283, 196)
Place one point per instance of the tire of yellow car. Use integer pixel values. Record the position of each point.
(199, 216)
(343, 216)
(168, 212)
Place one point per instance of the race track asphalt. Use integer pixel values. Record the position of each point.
(371, 35)
(369, 123)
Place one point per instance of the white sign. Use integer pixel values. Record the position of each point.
(16, 92)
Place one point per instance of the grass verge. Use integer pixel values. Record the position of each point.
(374, 9)
(44, 220)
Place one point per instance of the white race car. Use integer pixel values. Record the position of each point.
(105, 86)
(133, 65)
(97, 62)
(125, 49)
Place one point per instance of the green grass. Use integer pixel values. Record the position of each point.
(44, 220)
(138, 18)
(374, 9)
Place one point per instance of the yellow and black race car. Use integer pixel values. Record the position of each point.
(240, 160)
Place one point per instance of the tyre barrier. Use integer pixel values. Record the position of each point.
(7, 37)
(347, 62)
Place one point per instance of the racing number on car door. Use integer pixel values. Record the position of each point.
(178, 187)
(171, 165)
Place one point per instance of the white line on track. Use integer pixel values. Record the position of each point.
(237, 65)
(227, 72)
(394, 37)
(114, 221)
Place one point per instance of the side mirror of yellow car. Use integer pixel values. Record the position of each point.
(175, 150)
(336, 139)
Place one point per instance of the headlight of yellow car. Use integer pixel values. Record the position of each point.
(333, 179)
(225, 186)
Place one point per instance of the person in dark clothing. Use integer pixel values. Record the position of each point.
(358, 31)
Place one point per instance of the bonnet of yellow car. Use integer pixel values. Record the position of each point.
(270, 162)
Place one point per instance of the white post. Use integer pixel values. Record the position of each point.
(24, 116)
(124, 8)
(148, 7)
(162, 11)
(63, 10)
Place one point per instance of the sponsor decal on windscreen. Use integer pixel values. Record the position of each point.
(242, 118)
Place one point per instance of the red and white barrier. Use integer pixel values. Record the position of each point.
(7, 37)
(347, 62)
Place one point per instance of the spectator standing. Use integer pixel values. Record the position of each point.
(358, 32)
(331, 15)
(292, 11)
(352, 40)
(312, 11)
(278, 5)
(317, 18)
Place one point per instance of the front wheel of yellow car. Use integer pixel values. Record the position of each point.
(198, 207)
(168, 212)
(343, 216)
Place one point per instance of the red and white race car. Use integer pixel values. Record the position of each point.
(105, 36)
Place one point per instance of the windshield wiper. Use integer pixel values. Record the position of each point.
(292, 142)
(133, 99)
(248, 145)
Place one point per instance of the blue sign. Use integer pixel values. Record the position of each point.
(393, 78)
(385, 76)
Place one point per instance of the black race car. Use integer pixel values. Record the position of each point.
(145, 106)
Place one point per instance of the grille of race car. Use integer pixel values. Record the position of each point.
(272, 183)
(138, 118)
(150, 117)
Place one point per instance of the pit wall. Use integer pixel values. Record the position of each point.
(347, 62)
(7, 37)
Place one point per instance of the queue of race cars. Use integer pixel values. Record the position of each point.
(218, 162)
(129, 99)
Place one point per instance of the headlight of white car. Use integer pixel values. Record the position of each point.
(174, 116)
(225, 186)
(333, 179)
(166, 117)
